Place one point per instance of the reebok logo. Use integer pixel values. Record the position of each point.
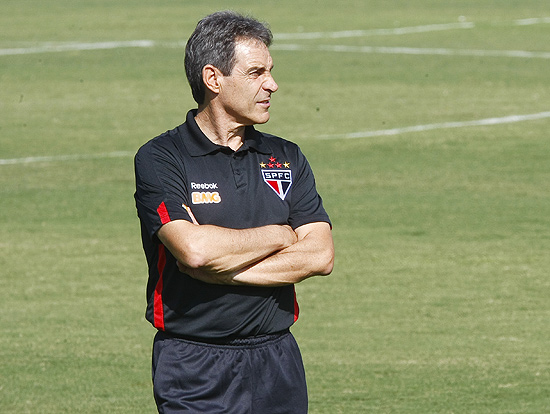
(204, 186)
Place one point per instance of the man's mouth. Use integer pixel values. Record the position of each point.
(265, 103)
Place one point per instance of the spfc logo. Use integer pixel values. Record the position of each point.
(278, 180)
(278, 176)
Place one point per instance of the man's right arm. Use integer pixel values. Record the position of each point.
(220, 250)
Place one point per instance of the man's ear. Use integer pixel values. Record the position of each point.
(211, 76)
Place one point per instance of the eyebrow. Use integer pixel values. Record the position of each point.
(260, 68)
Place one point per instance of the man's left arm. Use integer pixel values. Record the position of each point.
(311, 255)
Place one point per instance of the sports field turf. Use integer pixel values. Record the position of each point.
(427, 125)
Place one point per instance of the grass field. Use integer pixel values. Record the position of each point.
(439, 301)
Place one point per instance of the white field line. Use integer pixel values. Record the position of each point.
(47, 47)
(75, 46)
(443, 125)
(535, 20)
(365, 134)
(373, 32)
(72, 157)
(415, 51)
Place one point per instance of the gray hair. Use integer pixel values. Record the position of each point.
(213, 43)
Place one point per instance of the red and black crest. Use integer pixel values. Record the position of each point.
(277, 176)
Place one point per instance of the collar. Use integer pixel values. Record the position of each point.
(198, 144)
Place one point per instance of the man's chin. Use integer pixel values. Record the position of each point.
(263, 119)
(255, 120)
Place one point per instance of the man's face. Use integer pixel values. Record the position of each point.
(246, 92)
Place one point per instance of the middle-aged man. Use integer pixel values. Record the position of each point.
(230, 221)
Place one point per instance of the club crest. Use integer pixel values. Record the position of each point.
(279, 179)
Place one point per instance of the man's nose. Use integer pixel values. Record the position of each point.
(270, 84)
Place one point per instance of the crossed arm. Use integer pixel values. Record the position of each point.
(273, 255)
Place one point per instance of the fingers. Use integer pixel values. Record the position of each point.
(190, 214)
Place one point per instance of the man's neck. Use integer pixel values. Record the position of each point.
(219, 130)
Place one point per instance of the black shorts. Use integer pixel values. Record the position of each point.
(261, 375)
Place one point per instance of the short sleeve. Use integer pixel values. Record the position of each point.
(306, 203)
(160, 186)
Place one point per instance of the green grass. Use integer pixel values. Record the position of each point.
(439, 299)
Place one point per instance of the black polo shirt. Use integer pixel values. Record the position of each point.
(266, 181)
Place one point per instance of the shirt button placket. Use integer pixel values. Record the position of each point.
(238, 173)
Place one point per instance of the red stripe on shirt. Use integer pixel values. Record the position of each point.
(296, 307)
(163, 213)
(158, 305)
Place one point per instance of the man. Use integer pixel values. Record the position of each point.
(230, 221)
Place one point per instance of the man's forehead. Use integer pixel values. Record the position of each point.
(252, 52)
